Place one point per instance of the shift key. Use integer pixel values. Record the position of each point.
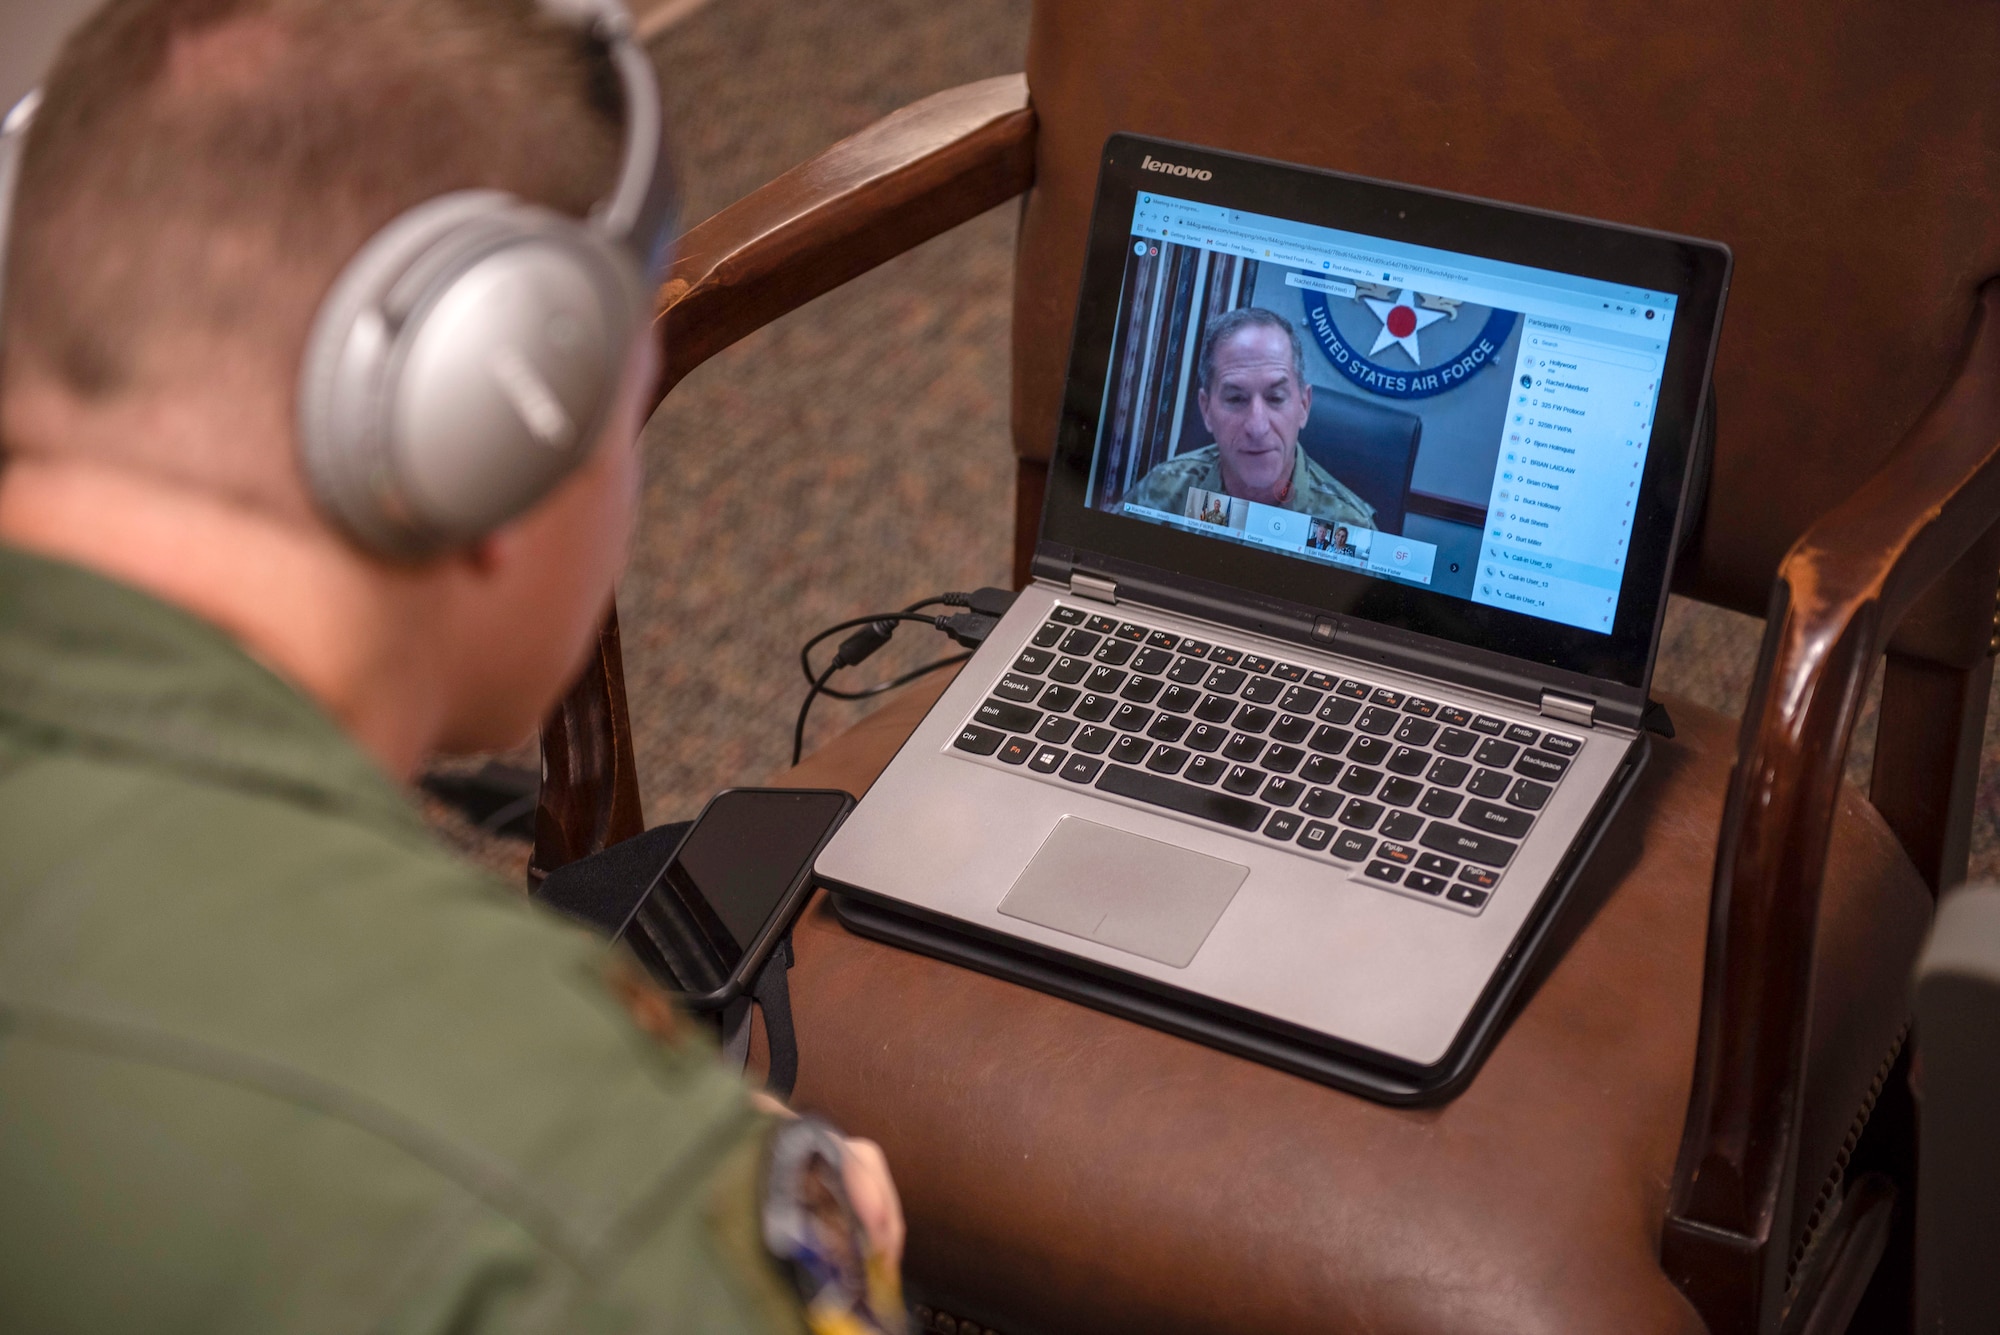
(1462, 843)
(1012, 718)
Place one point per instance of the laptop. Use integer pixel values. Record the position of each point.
(1335, 661)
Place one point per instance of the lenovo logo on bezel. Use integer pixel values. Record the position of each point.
(1153, 164)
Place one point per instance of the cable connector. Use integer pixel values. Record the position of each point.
(968, 628)
(862, 644)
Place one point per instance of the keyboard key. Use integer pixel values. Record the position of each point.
(1207, 769)
(1257, 663)
(1179, 699)
(1102, 625)
(1360, 780)
(1496, 753)
(1163, 639)
(1440, 802)
(1243, 748)
(1127, 631)
(1021, 690)
(1081, 769)
(1329, 740)
(1408, 760)
(1207, 736)
(1068, 671)
(1033, 660)
(1196, 648)
(1561, 745)
(1243, 779)
(980, 741)
(1382, 695)
(1450, 773)
(1354, 690)
(1283, 759)
(1114, 651)
(1215, 709)
(1457, 742)
(1167, 728)
(1046, 637)
(1225, 680)
(1140, 690)
(1205, 803)
(1400, 854)
(1316, 836)
(1529, 795)
(1263, 690)
(1131, 750)
(1047, 759)
(1336, 710)
(1187, 671)
(1487, 783)
(1301, 700)
(1104, 680)
(1521, 734)
(1080, 642)
(1059, 699)
(1351, 846)
(1454, 716)
(1490, 819)
(1421, 708)
(1288, 672)
(1291, 728)
(1387, 872)
(1436, 865)
(1152, 662)
(1254, 718)
(1460, 842)
(1008, 718)
(1368, 751)
(1226, 657)
(1401, 825)
(1129, 717)
(1282, 825)
(1360, 815)
(1321, 681)
(1480, 877)
(1094, 740)
(1400, 792)
(1321, 769)
(1095, 708)
(1057, 730)
(1320, 802)
(1070, 615)
(1166, 759)
(1416, 732)
(1015, 750)
(1377, 722)
(1424, 883)
(1280, 791)
(1466, 895)
(1489, 725)
(1537, 765)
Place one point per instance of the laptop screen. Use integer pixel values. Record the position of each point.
(1470, 426)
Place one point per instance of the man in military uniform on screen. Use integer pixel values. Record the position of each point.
(1254, 399)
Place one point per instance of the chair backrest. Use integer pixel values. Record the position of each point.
(1849, 152)
(1370, 447)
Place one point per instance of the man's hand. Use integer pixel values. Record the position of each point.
(870, 1189)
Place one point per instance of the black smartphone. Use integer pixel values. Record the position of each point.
(714, 912)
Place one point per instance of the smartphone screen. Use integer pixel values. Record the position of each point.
(734, 870)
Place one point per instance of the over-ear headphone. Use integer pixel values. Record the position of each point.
(466, 358)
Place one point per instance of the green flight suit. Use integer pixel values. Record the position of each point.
(272, 1060)
(1314, 490)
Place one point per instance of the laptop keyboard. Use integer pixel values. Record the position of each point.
(1413, 793)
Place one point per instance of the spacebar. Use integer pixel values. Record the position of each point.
(1183, 797)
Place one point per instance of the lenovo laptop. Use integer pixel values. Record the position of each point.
(1348, 588)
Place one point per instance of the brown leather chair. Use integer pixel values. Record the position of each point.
(1674, 1129)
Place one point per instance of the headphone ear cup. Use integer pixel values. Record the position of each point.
(461, 366)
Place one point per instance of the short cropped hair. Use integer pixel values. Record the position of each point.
(1231, 323)
(206, 167)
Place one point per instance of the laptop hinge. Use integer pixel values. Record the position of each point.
(1569, 709)
(1094, 587)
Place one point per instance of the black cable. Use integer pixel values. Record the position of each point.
(868, 692)
(805, 663)
(799, 728)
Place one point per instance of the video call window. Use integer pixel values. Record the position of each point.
(1470, 426)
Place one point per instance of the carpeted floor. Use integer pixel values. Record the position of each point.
(854, 457)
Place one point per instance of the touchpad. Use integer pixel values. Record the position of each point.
(1124, 890)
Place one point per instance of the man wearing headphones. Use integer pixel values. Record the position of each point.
(322, 360)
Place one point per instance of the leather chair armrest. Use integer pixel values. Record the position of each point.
(913, 174)
(1840, 595)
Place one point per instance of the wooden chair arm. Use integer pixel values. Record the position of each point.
(1841, 592)
(913, 174)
